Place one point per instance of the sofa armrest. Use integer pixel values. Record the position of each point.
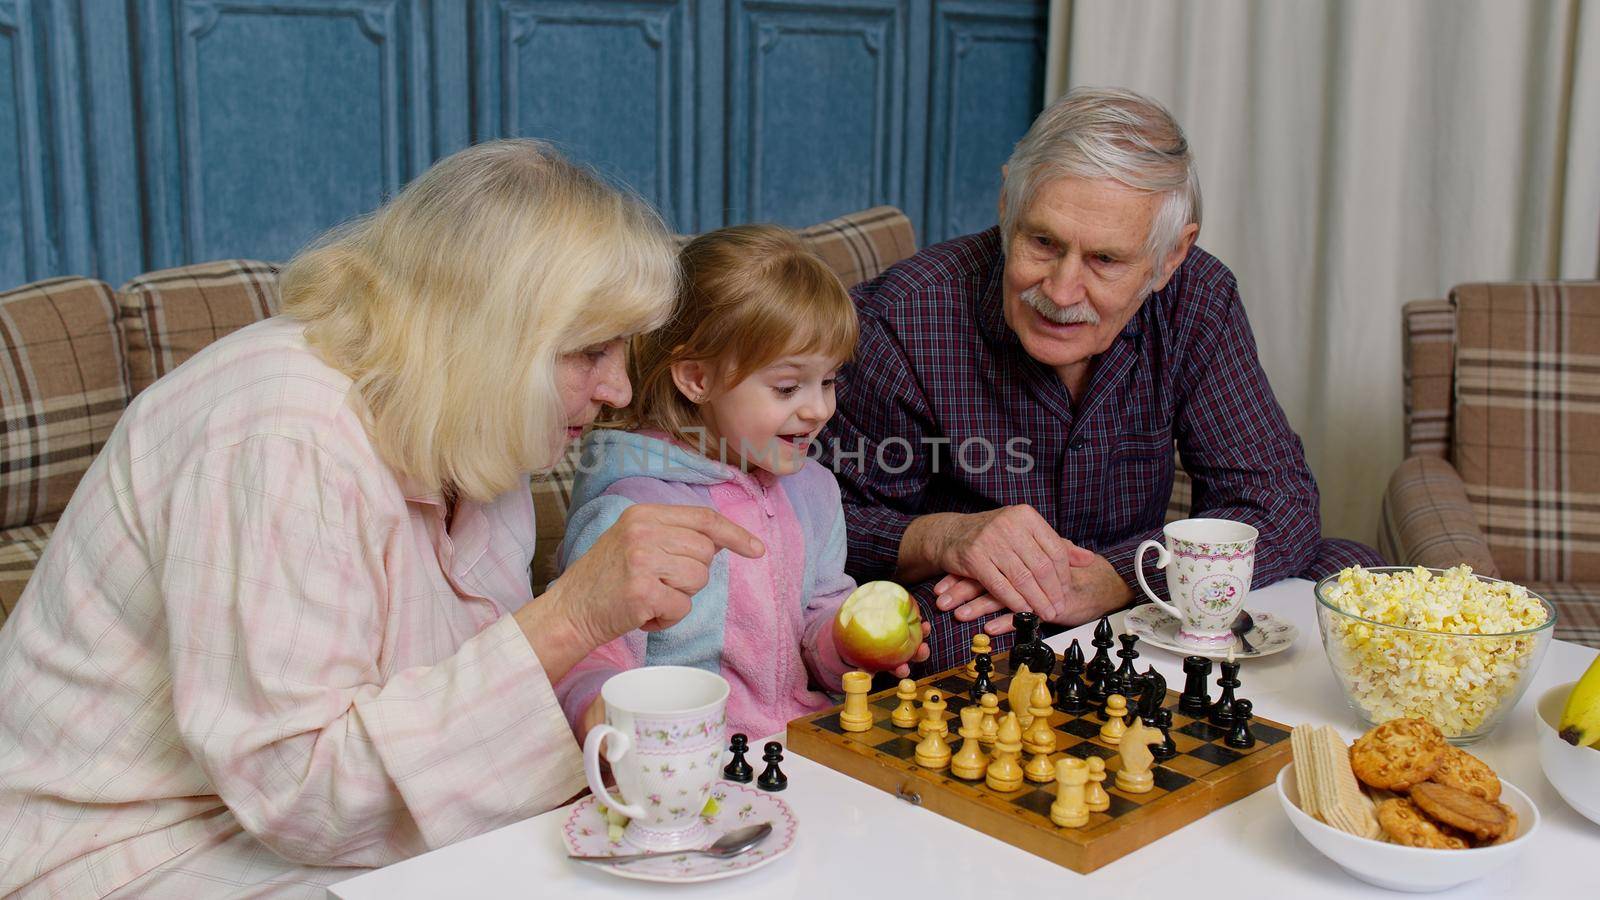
(1427, 519)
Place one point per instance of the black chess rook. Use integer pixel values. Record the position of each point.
(1195, 700)
(1026, 625)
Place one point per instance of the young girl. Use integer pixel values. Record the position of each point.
(728, 398)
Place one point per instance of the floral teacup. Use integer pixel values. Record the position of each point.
(663, 738)
(1209, 564)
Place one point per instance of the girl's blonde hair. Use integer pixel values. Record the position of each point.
(751, 294)
(450, 305)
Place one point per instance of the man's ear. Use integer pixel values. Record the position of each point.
(693, 378)
(1175, 258)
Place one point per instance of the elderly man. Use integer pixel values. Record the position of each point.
(1005, 434)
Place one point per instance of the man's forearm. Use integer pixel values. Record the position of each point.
(922, 545)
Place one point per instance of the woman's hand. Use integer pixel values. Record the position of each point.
(641, 573)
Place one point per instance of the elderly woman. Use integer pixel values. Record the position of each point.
(284, 629)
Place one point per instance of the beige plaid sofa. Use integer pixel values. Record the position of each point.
(77, 352)
(1502, 432)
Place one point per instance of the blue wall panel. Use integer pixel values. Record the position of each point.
(140, 134)
(611, 84)
(988, 84)
(267, 121)
(816, 92)
(14, 232)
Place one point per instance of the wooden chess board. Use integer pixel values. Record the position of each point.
(1205, 775)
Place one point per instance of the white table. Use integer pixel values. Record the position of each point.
(860, 842)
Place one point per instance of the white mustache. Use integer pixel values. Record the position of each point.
(1076, 314)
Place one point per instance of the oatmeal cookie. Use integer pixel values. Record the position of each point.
(1405, 825)
(1465, 772)
(1459, 809)
(1397, 754)
(1511, 825)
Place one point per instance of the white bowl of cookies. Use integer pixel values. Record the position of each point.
(1403, 809)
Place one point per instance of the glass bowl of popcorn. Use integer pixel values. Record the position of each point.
(1445, 645)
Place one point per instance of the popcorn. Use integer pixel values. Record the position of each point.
(1457, 683)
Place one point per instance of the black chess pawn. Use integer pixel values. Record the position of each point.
(739, 770)
(773, 778)
(1222, 711)
(1240, 737)
(1026, 625)
(1154, 696)
(982, 684)
(1195, 700)
(1071, 696)
(1166, 749)
(1101, 665)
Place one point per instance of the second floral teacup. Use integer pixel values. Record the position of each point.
(663, 738)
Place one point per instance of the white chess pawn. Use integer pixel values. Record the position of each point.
(905, 715)
(980, 647)
(1116, 707)
(1095, 796)
(933, 752)
(989, 728)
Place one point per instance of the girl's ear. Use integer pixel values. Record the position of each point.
(693, 378)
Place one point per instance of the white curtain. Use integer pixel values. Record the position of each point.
(1353, 156)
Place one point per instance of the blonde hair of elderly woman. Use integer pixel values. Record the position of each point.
(450, 305)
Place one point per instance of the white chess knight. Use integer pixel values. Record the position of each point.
(1134, 776)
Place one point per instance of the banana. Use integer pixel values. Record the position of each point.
(1580, 720)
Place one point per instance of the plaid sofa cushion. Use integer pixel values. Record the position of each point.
(551, 495)
(1577, 609)
(1527, 424)
(170, 315)
(1428, 358)
(62, 387)
(861, 245)
(20, 549)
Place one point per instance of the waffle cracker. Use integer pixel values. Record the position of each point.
(1329, 791)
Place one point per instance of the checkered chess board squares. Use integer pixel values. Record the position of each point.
(1201, 749)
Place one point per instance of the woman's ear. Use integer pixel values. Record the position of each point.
(693, 378)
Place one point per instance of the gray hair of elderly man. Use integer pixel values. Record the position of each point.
(1108, 133)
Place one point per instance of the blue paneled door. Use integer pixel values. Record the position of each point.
(151, 133)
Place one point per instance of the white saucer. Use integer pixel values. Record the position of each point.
(1156, 626)
(585, 834)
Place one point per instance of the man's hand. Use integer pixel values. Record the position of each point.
(1012, 551)
(1093, 589)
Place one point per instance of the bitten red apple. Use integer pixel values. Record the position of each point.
(878, 627)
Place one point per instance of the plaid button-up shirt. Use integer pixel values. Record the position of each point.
(950, 414)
